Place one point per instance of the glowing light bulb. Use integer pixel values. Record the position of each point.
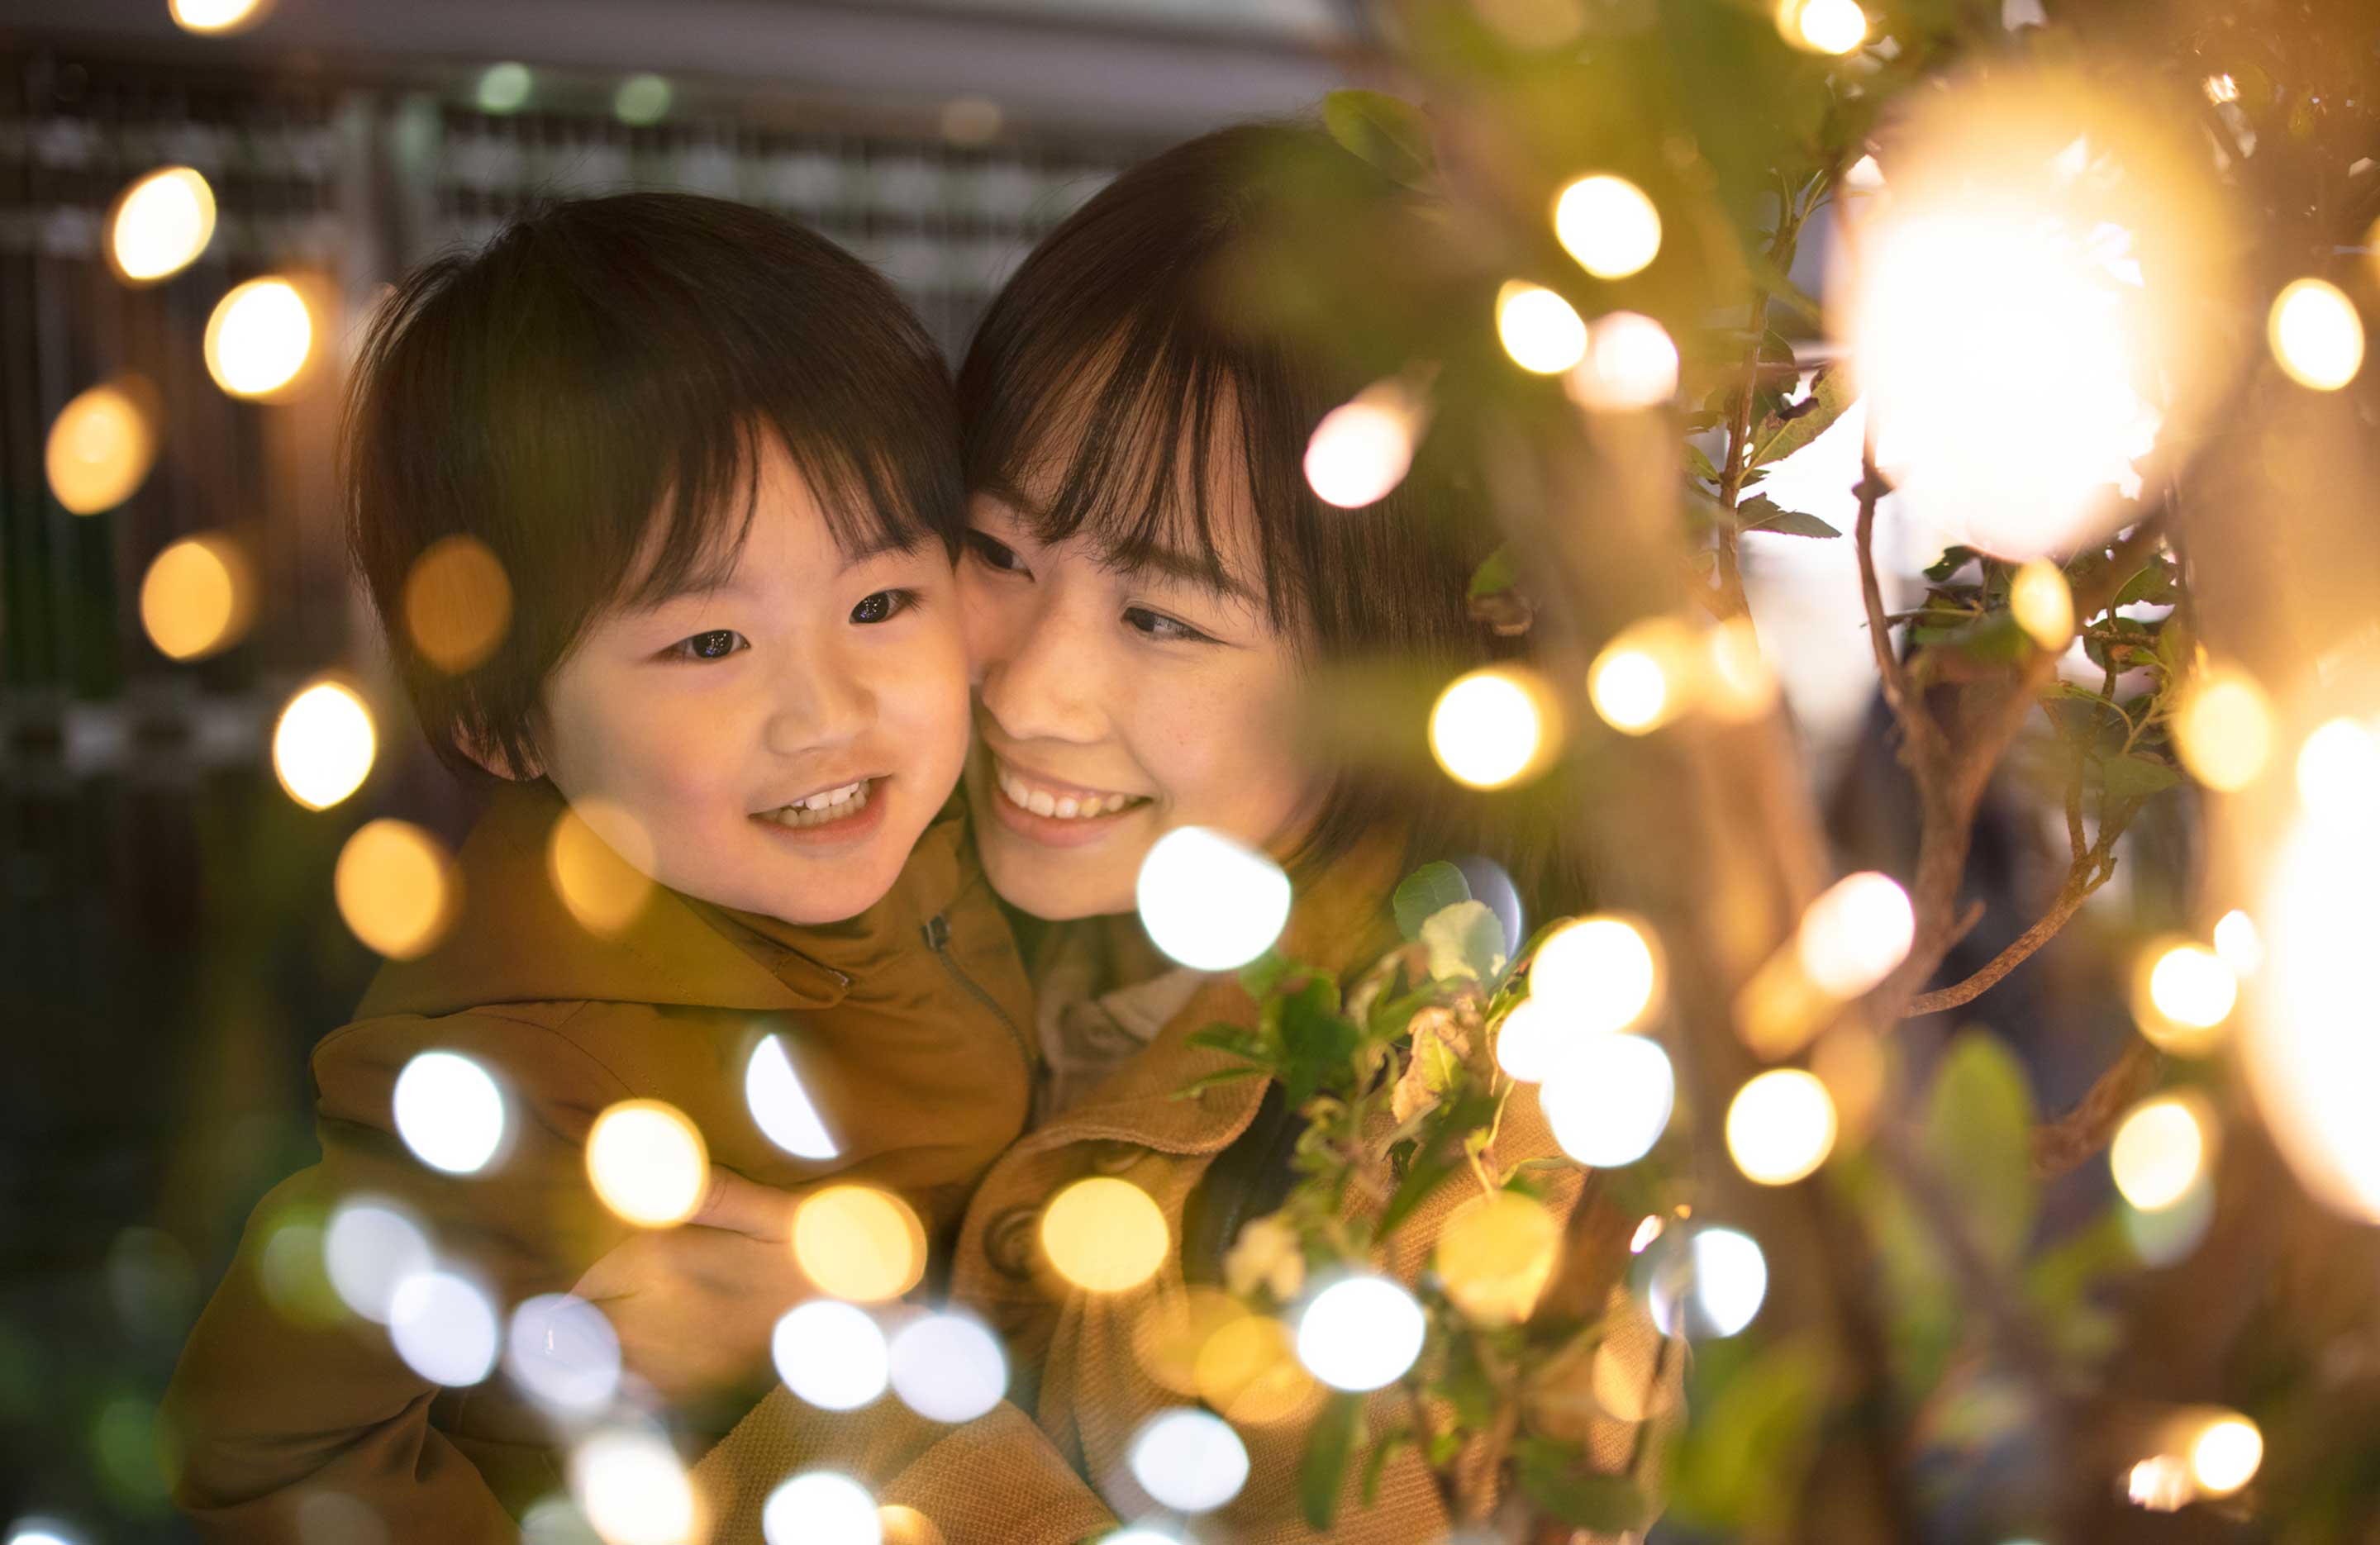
(634, 1491)
(2043, 604)
(1105, 1234)
(1188, 1461)
(161, 225)
(1609, 1099)
(2182, 996)
(781, 1106)
(1496, 1254)
(259, 338)
(1713, 1286)
(2225, 1454)
(396, 890)
(1631, 362)
(2338, 767)
(648, 1162)
(1540, 329)
(1596, 975)
(100, 449)
(368, 1247)
(1488, 727)
(1360, 1334)
(820, 1508)
(2223, 728)
(2160, 1483)
(1209, 901)
(859, 1243)
(2160, 1152)
(1856, 934)
(323, 746)
(2316, 334)
(1644, 678)
(458, 603)
(449, 1112)
(2238, 942)
(1363, 448)
(215, 17)
(1608, 223)
(197, 597)
(1823, 26)
(948, 1368)
(832, 1354)
(1780, 1126)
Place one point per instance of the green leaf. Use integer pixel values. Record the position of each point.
(1605, 1503)
(1953, 559)
(1495, 573)
(1376, 1463)
(1465, 939)
(1262, 975)
(2135, 777)
(1700, 465)
(1384, 131)
(1199, 1085)
(1780, 435)
(1231, 1041)
(1761, 513)
(1329, 1446)
(1317, 1046)
(1467, 1386)
(1424, 893)
(1978, 1136)
(1436, 1155)
(1743, 1463)
(2158, 584)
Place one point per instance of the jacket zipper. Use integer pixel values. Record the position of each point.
(937, 938)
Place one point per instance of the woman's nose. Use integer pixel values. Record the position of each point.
(1040, 674)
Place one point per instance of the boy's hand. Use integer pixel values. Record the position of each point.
(694, 1306)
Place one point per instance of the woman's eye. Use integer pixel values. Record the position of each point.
(716, 644)
(993, 553)
(884, 606)
(1157, 626)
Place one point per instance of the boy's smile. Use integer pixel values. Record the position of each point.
(781, 734)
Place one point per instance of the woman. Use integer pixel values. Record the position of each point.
(1151, 588)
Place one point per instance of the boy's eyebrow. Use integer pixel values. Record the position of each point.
(725, 578)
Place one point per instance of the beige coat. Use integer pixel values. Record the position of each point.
(997, 1482)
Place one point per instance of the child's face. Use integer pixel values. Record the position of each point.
(697, 730)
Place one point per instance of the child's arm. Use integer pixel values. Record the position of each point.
(275, 1400)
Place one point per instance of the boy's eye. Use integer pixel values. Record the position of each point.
(884, 606)
(993, 553)
(716, 644)
(1157, 626)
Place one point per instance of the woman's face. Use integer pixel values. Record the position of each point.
(1113, 704)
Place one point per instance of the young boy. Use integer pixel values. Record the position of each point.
(715, 457)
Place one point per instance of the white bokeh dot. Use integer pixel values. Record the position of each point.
(948, 1368)
(1190, 1461)
(369, 1248)
(1208, 901)
(444, 1327)
(831, 1354)
(783, 1107)
(820, 1508)
(564, 1352)
(1360, 1334)
(449, 1112)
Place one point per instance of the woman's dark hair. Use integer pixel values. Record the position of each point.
(1118, 376)
(589, 397)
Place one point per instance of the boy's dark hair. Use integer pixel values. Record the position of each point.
(1122, 356)
(589, 395)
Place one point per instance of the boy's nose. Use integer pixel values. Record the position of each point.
(818, 705)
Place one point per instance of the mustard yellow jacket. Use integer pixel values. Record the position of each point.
(997, 1481)
(905, 1024)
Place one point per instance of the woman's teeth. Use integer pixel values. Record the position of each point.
(833, 804)
(1065, 807)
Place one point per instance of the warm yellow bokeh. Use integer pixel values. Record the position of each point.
(1539, 328)
(161, 225)
(2226, 1454)
(1855, 934)
(1363, 448)
(458, 603)
(2182, 994)
(1823, 26)
(1247, 1370)
(1739, 682)
(634, 1491)
(1631, 362)
(2316, 334)
(906, 1525)
(322, 747)
(1170, 1330)
(1597, 975)
(2239, 942)
(216, 16)
(2338, 767)
(2043, 604)
(648, 1162)
(2161, 1151)
(599, 860)
(2223, 728)
(1645, 676)
(1780, 1126)
(1496, 1255)
(1494, 726)
(397, 889)
(259, 338)
(1104, 1234)
(101, 447)
(197, 597)
(859, 1243)
(1608, 223)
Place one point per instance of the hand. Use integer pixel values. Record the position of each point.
(694, 1306)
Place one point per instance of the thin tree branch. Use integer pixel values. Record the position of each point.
(1916, 725)
(2061, 1145)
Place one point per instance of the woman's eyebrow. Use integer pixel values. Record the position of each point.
(1170, 563)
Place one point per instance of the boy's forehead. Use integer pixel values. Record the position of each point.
(774, 532)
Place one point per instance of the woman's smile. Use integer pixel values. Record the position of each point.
(1051, 811)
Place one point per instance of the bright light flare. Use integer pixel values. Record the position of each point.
(1188, 1461)
(1360, 1334)
(198, 597)
(101, 447)
(1491, 727)
(449, 1112)
(2223, 728)
(1608, 223)
(948, 1368)
(1209, 901)
(831, 1354)
(781, 1106)
(820, 1508)
(397, 889)
(600, 860)
(2238, 942)
(859, 1243)
(1104, 1234)
(259, 338)
(1631, 362)
(2043, 604)
(646, 1161)
(1609, 1099)
(369, 1248)
(634, 1491)
(2338, 769)
(1823, 26)
(2161, 1150)
(216, 18)
(1780, 1126)
(1645, 677)
(1363, 448)
(444, 1327)
(565, 1353)
(1594, 975)
(458, 603)
(2316, 334)
(161, 224)
(1712, 1284)
(1540, 331)
(2225, 1454)
(1856, 934)
(2182, 995)
(323, 746)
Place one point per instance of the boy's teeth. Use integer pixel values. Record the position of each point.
(1065, 807)
(819, 809)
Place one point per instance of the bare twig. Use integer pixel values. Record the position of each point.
(2061, 1145)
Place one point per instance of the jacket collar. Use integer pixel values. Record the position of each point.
(514, 941)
